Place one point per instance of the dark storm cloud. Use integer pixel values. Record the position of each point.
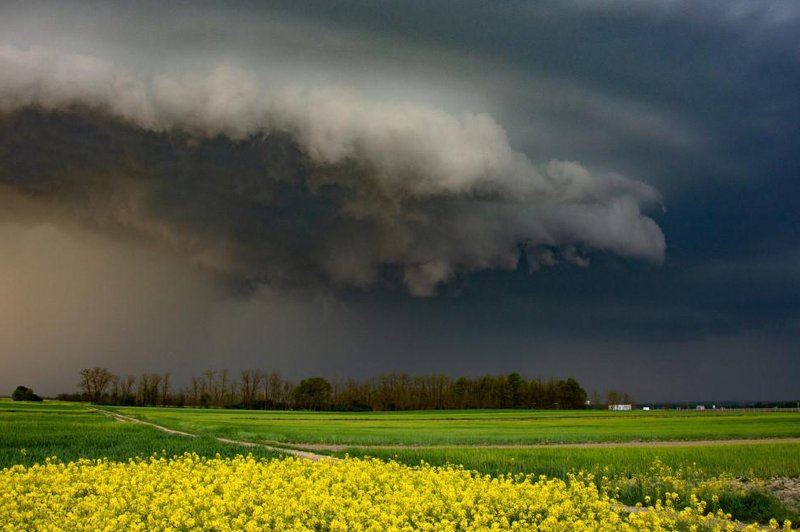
(685, 93)
(371, 146)
(302, 184)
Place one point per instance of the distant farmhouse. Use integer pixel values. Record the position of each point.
(620, 407)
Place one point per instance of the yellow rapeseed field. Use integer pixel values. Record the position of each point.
(193, 493)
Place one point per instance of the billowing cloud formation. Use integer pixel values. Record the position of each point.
(291, 185)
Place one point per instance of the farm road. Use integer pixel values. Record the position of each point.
(307, 450)
(573, 445)
(308, 455)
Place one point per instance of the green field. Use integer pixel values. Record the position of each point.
(462, 437)
(528, 443)
(31, 432)
(471, 427)
(70, 430)
(746, 461)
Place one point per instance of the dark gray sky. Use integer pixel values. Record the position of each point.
(603, 190)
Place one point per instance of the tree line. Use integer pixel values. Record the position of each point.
(257, 389)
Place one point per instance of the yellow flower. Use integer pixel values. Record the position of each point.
(193, 493)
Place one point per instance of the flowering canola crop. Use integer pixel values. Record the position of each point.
(193, 493)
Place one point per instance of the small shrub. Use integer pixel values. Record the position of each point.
(754, 504)
(688, 485)
(23, 393)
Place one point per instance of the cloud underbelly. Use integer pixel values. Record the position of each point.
(297, 185)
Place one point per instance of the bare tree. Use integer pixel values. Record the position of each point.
(94, 382)
(275, 384)
(143, 389)
(613, 397)
(149, 387)
(196, 385)
(250, 380)
(244, 386)
(258, 377)
(165, 388)
(222, 388)
(116, 390)
(208, 389)
(155, 386)
(126, 389)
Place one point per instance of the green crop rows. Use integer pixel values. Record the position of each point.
(618, 446)
(474, 427)
(31, 432)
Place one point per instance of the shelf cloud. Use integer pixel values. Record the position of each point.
(602, 190)
(291, 185)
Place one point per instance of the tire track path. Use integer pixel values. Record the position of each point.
(308, 455)
(554, 445)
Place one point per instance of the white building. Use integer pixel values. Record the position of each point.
(620, 407)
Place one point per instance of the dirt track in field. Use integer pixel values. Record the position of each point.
(307, 450)
(128, 419)
(578, 445)
(300, 453)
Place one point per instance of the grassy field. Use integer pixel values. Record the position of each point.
(473, 427)
(31, 432)
(432, 436)
(747, 461)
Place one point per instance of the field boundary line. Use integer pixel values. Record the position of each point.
(308, 455)
(126, 419)
(339, 447)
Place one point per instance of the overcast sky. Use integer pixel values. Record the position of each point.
(603, 190)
